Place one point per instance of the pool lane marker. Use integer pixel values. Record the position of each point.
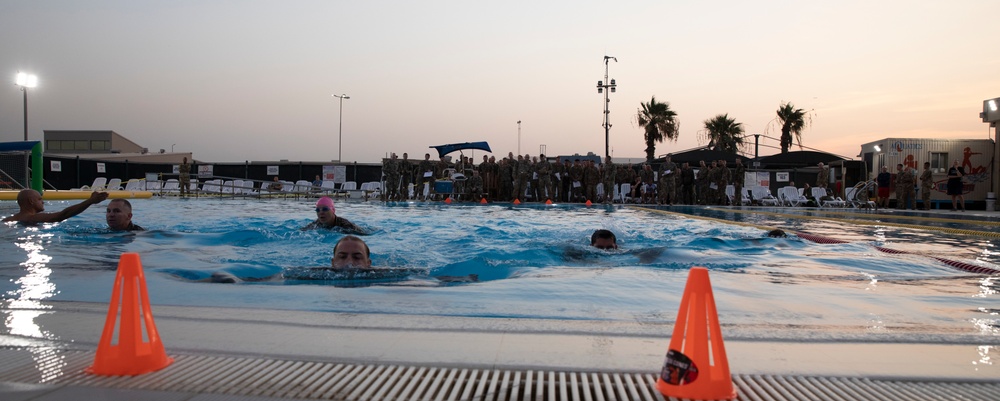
(827, 240)
(989, 234)
(953, 263)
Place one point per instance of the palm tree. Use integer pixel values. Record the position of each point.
(659, 122)
(792, 122)
(724, 134)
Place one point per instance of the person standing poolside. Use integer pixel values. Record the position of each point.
(955, 174)
(275, 185)
(185, 177)
(326, 217)
(30, 202)
(884, 180)
(823, 178)
(926, 182)
(119, 216)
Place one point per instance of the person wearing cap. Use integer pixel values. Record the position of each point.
(326, 217)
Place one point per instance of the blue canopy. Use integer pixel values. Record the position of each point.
(451, 147)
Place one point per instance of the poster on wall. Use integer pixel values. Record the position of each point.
(272, 170)
(205, 170)
(100, 168)
(781, 176)
(763, 178)
(55, 165)
(336, 174)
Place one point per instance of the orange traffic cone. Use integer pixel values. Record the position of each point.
(517, 201)
(696, 366)
(588, 203)
(548, 201)
(448, 201)
(483, 201)
(131, 356)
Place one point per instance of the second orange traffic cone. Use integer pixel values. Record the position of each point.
(696, 366)
(131, 356)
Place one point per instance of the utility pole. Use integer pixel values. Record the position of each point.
(610, 86)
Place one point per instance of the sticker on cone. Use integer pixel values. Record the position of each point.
(678, 369)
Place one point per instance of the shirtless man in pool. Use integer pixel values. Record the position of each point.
(30, 202)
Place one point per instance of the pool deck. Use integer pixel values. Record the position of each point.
(457, 342)
(73, 329)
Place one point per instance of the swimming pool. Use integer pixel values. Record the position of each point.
(533, 262)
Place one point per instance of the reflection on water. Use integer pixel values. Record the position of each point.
(24, 304)
(984, 356)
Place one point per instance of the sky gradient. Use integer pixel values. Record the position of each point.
(252, 80)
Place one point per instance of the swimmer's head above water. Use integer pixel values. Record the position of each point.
(604, 239)
(350, 252)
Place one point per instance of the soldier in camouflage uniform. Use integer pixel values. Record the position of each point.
(558, 175)
(739, 176)
(475, 186)
(608, 174)
(702, 183)
(390, 169)
(405, 175)
(724, 177)
(667, 190)
(425, 176)
(505, 179)
(545, 190)
(591, 176)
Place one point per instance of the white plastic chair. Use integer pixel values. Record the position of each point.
(135, 184)
(171, 187)
(626, 189)
(328, 187)
(154, 186)
(114, 184)
(790, 196)
(98, 185)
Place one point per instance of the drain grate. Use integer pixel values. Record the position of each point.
(245, 376)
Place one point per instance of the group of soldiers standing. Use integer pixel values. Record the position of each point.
(537, 179)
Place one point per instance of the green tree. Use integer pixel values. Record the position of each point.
(792, 122)
(724, 134)
(659, 122)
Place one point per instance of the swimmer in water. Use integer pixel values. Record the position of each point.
(326, 217)
(32, 208)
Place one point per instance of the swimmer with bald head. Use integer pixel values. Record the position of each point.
(31, 208)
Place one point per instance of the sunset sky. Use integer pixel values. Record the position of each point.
(252, 80)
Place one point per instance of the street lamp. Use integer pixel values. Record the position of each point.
(610, 86)
(26, 81)
(519, 137)
(340, 143)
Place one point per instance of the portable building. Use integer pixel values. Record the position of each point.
(974, 155)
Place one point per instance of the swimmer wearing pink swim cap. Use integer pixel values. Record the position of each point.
(326, 218)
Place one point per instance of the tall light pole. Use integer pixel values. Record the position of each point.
(26, 81)
(340, 143)
(610, 86)
(518, 136)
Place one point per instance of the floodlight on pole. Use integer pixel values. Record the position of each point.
(340, 141)
(611, 86)
(26, 81)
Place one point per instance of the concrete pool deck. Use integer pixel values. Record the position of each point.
(491, 343)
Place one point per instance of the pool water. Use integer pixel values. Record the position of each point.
(532, 262)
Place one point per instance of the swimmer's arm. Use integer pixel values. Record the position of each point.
(95, 198)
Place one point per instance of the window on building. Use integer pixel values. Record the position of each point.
(939, 162)
(81, 145)
(53, 145)
(100, 145)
